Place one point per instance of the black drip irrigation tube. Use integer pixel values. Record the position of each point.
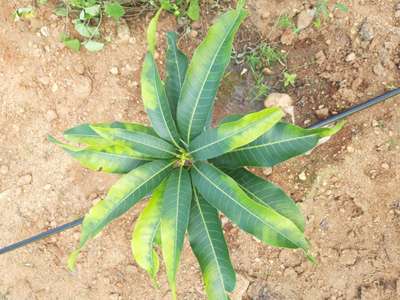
(331, 119)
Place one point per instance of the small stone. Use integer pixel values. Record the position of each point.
(265, 15)
(305, 18)
(366, 32)
(375, 123)
(82, 87)
(194, 33)
(348, 257)
(351, 57)
(385, 166)
(54, 87)
(283, 101)
(4, 169)
(44, 80)
(267, 71)
(114, 71)
(302, 176)
(25, 179)
(267, 171)
(47, 187)
(287, 37)
(320, 57)
(44, 31)
(379, 70)
(51, 115)
(350, 149)
(196, 25)
(322, 113)
(79, 68)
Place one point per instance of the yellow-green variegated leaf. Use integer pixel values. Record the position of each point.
(126, 192)
(174, 221)
(269, 194)
(222, 192)
(176, 66)
(208, 244)
(145, 231)
(231, 135)
(205, 72)
(281, 143)
(84, 134)
(148, 145)
(109, 159)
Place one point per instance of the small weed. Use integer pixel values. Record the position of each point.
(289, 79)
(322, 11)
(286, 22)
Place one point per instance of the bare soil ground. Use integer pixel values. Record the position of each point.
(350, 194)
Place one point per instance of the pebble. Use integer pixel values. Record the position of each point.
(25, 179)
(265, 15)
(4, 169)
(54, 87)
(385, 166)
(302, 176)
(305, 18)
(366, 32)
(196, 25)
(194, 33)
(267, 171)
(348, 257)
(51, 115)
(351, 57)
(320, 57)
(379, 70)
(283, 101)
(350, 149)
(44, 31)
(322, 113)
(287, 37)
(82, 87)
(114, 71)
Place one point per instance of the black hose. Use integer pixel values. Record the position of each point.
(331, 119)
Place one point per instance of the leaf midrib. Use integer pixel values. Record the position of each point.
(204, 82)
(244, 148)
(177, 216)
(209, 238)
(133, 191)
(266, 224)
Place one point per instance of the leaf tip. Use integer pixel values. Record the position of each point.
(72, 258)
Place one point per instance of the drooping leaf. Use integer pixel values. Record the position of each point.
(156, 102)
(93, 46)
(228, 136)
(222, 192)
(205, 72)
(268, 193)
(151, 33)
(174, 221)
(114, 10)
(281, 143)
(110, 159)
(144, 143)
(194, 10)
(126, 192)
(176, 66)
(208, 244)
(86, 30)
(84, 134)
(73, 44)
(144, 233)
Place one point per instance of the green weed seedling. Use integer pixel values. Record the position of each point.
(191, 171)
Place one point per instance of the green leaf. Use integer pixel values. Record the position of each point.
(269, 194)
(145, 231)
(176, 66)
(73, 44)
(222, 192)
(109, 159)
(61, 11)
(194, 10)
(281, 143)
(114, 10)
(144, 143)
(228, 136)
(151, 33)
(156, 102)
(84, 134)
(174, 221)
(342, 7)
(85, 30)
(93, 46)
(125, 193)
(93, 11)
(204, 74)
(209, 246)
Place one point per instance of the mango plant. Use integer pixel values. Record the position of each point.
(190, 170)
